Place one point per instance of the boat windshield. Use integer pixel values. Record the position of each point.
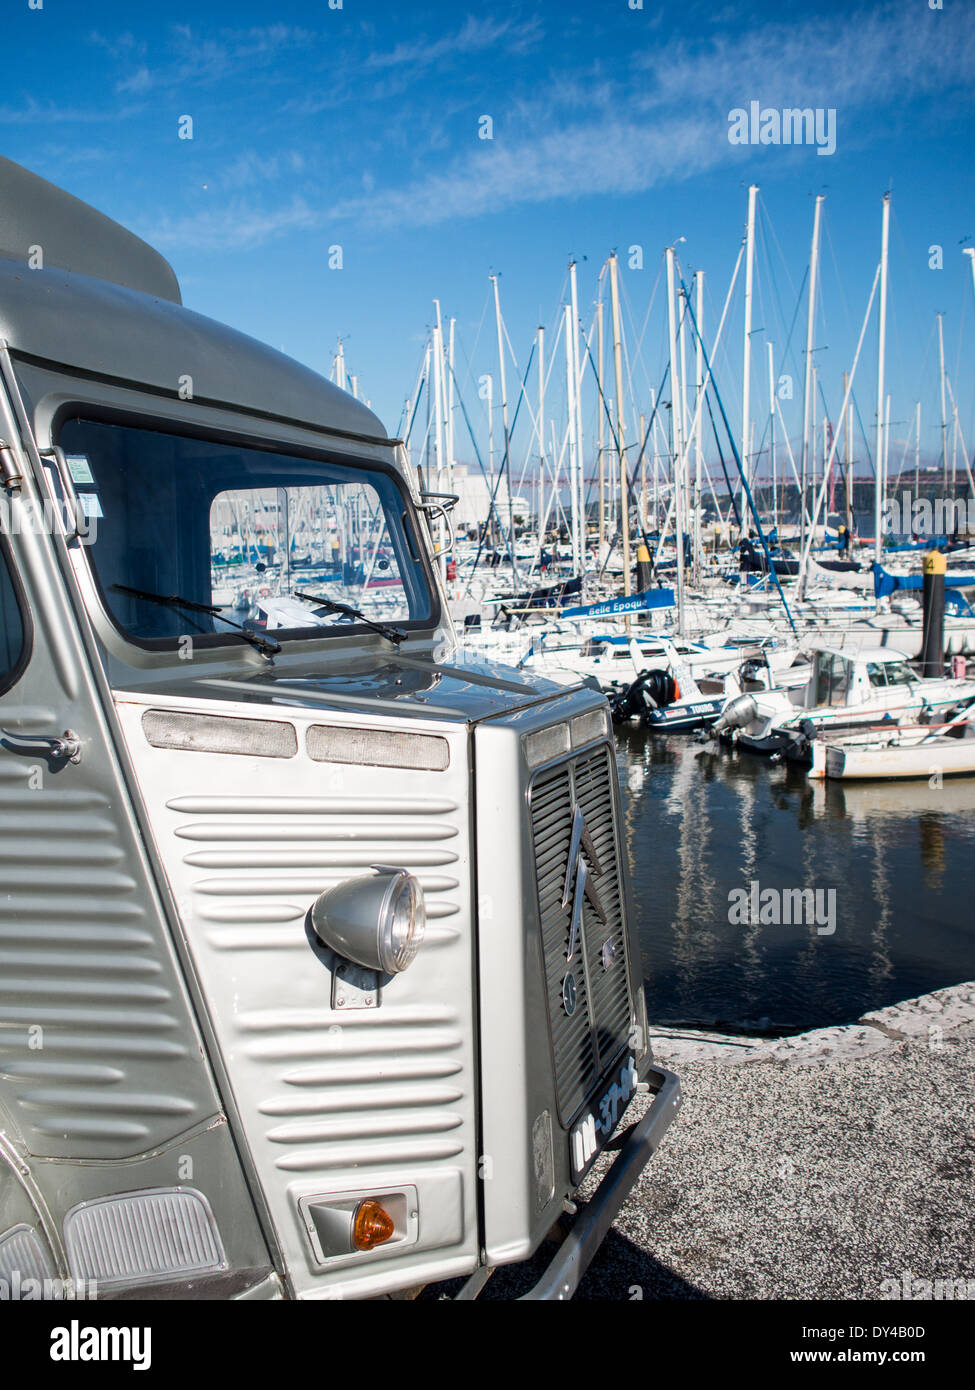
(899, 673)
(831, 679)
(239, 530)
(883, 673)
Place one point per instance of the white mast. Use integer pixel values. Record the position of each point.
(917, 450)
(601, 444)
(677, 435)
(614, 290)
(812, 433)
(541, 443)
(684, 461)
(450, 409)
(698, 403)
(570, 388)
(577, 502)
(492, 516)
(438, 428)
(881, 350)
(656, 460)
(338, 366)
(807, 393)
(771, 428)
(746, 375)
(504, 421)
(944, 412)
(847, 426)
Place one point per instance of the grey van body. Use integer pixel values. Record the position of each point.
(198, 1092)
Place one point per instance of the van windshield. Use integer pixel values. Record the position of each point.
(245, 531)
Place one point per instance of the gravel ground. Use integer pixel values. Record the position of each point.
(808, 1180)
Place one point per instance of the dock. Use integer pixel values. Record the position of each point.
(835, 1164)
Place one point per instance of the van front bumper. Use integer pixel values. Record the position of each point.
(639, 1144)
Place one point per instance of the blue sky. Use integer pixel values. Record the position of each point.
(359, 126)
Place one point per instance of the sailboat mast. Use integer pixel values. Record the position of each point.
(944, 411)
(438, 430)
(450, 408)
(541, 443)
(506, 459)
(848, 460)
(656, 461)
(746, 385)
(579, 502)
(570, 388)
(881, 352)
(684, 461)
(642, 514)
(771, 430)
(614, 290)
(677, 435)
(601, 444)
(698, 403)
(886, 442)
(807, 395)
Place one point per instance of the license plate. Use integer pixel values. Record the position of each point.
(591, 1131)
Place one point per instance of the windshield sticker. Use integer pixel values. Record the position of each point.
(79, 468)
(90, 504)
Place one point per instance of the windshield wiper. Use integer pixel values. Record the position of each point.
(392, 634)
(267, 646)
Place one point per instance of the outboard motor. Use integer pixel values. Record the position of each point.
(735, 715)
(799, 748)
(651, 689)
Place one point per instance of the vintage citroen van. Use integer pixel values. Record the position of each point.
(317, 971)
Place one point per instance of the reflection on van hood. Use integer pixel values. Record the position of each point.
(397, 684)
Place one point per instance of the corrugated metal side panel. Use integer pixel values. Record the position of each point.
(98, 1055)
(327, 1097)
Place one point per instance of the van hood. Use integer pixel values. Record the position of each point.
(410, 686)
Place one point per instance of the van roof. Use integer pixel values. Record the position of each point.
(107, 303)
(74, 236)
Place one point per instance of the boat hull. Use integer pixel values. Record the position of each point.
(671, 719)
(942, 757)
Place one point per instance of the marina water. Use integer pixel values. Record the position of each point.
(702, 823)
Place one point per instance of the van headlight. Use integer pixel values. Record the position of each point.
(377, 921)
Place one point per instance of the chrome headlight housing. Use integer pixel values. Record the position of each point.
(377, 921)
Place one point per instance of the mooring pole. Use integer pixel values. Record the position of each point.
(933, 645)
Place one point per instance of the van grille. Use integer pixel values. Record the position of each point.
(588, 1041)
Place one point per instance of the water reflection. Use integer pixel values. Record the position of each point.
(700, 821)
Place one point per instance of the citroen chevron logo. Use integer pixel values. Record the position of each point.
(579, 879)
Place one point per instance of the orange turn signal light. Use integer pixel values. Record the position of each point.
(371, 1226)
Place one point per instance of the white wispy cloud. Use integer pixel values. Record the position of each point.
(666, 117)
(860, 59)
(474, 36)
(610, 156)
(122, 46)
(200, 60)
(250, 168)
(236, 225)
(35, 112)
